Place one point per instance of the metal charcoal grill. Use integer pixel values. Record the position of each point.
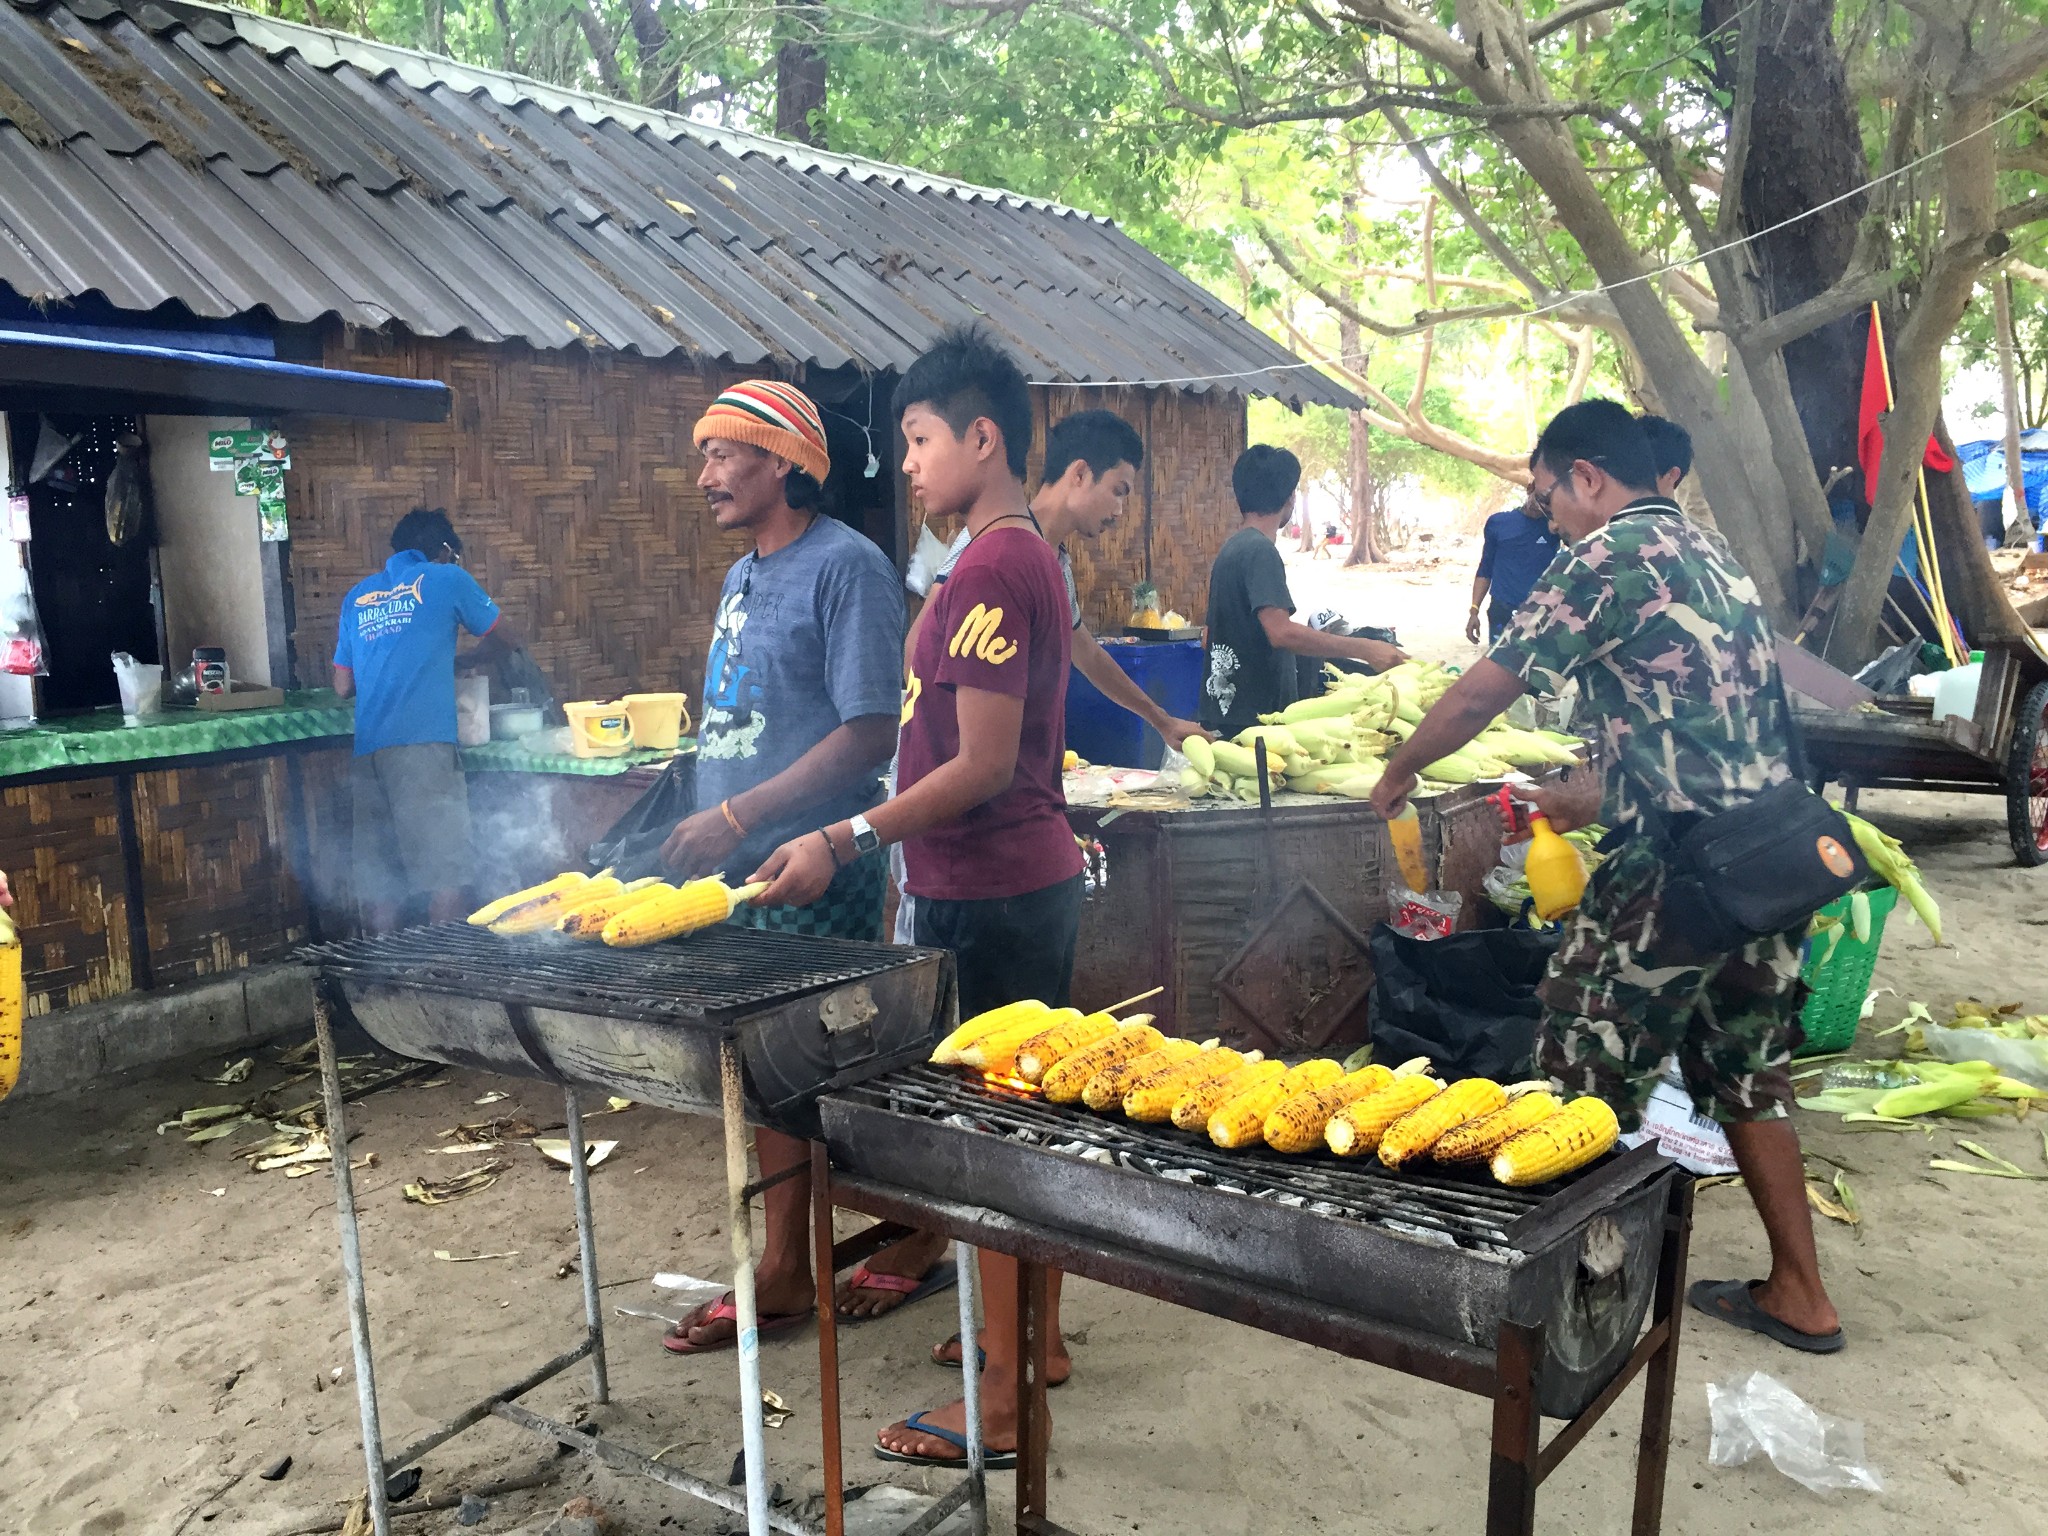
(1449, 1256)
(808, 1013)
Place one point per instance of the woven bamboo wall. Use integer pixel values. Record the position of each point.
(572, 479)
(60, 845)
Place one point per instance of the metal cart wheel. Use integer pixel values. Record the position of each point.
(2026, 780)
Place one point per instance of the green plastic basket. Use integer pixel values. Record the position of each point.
(1840, 977)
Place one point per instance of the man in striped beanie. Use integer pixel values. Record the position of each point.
(801, 697)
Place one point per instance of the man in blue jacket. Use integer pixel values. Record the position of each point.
(395, 656)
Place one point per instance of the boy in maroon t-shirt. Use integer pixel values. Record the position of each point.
(978, 807)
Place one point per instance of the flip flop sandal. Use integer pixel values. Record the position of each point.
(992, 1461)
(939, 1277)
(981, 1362)
(1731, 1302)
(677, 1340)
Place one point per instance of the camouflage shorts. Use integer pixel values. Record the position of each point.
(1620, 997)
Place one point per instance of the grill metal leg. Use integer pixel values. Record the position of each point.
(1660, 1377)
(586, 1242)
(352, 1268)
(1034, 1424)
(747, 1322)
(966, 1262)
(1517, 1429)
(828, 1340)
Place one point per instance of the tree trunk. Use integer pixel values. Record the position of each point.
(800, 78)
(2015, 482)
(434, 32)
(1365, 533)
(657, 71)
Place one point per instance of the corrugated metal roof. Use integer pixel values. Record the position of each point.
(235, 163)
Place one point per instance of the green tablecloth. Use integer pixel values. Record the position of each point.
(101, 739)
(515, 757)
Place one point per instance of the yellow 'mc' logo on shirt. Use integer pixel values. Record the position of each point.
(912, 688)
(978, 635)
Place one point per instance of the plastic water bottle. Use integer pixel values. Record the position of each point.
(1864, 1074)
(1955, 691)
(1554, 870)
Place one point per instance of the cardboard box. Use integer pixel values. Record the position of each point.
(244, 696)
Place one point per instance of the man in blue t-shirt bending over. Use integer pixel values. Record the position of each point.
(395, 656)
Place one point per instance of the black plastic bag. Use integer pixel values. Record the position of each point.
(632, 848)
(1466, 1001)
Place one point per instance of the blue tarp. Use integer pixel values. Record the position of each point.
(1984, 470)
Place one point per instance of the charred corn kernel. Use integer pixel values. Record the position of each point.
(1191, 1111)
(1477, 1140)
(1319, 1073)
(700, 904)
(1240, 1121)
(1049, 1047)
(1106, 1089)
(1152, 1097)
(488, 914)
(1356, 1129)
(1411, 1136)
(1296, 1124)
(949, 1049)
(532, 916)
(1569, 1139)
(11, 1005)
(585, 919)
(1066, 1080)
(997, 1053)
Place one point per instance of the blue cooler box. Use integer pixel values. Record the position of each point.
(1170, 673)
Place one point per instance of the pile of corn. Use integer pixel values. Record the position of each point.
(1523, 1133)
(1337, 744)
(624, 914)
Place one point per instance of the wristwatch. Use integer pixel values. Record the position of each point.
(865, 838)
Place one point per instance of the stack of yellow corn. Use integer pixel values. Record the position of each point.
(1152, 1097)
(589, 909)
(1241, 1121)
(1106, 1089)
(11, 1000)
(1411, 1136)
(1191, 1111)
(1356, 1129)
(1297, 1125)
(1477, 1140)
(700, 904)
(504, 906)
(996, 1052)
(1068, 1080)
(1569, 1139)
(947, 1052)
(1049, 1047)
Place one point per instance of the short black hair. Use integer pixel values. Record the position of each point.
(965, 375)
(1100, 439)
(427, 530)
(1600, 432)
(1263, 478)
(1670, 445)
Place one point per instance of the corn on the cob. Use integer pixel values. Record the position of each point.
(11, 1005)
(1066, 1080)
(1106, 1088)
(1296, 1125)
(490, 912)
(585, 919)
(1411, 1136)
(1191, 1111)
(1241, 1121)
(1319, 1073)
(532, 916)
(997, 1052)
(1477, 1140)
(700, 904)
(948, 1050)
(1046, 1049)
(1569, 1139)
(1356, 1129)
(1152, 1097)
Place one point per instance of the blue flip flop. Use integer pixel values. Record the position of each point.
(941, 1276)
(992, 1461)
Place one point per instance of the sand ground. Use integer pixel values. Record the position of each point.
(170, 1322)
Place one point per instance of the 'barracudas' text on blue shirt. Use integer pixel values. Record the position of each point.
(398, 633)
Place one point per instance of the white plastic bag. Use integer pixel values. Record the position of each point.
(926, 561)
(1689, 1138)
(1759, 1415)
(141, 685)
(2026, 1060)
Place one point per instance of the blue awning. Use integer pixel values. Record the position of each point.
(71, 375)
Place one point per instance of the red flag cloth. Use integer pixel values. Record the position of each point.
(1870, 420)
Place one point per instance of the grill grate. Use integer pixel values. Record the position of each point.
(709, 977)
(1466, 1210)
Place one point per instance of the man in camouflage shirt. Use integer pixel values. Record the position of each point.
(1660, 628)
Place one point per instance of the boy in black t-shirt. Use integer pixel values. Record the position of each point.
(1253, 638)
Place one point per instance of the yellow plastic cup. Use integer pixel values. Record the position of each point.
(659, 719)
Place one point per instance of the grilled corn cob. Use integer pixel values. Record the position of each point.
(585, 919)
(1477, 1140)
(1297, 1124)
(1241, 1121)
(1107, 1087)
(1356, 1129)
(1191, 1111)
(1049, 1047)
(11, 997)
(1065, 1081)
(1153, 1096)
(949, 1049)
(489, 913)
(1411, 1136)
(700, 904)
(532, 916)
(1569, 1139)
(997, 1052)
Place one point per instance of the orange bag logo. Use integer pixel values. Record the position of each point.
(1835, 857)
(978, 635)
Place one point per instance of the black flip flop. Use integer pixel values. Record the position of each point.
(1731, 1302)
(981, 1360)
(991, 1461)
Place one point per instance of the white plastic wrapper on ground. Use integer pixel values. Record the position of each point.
(1758, 1415)
(1687, 1137)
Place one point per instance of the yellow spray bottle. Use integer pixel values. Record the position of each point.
(1554, 870)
